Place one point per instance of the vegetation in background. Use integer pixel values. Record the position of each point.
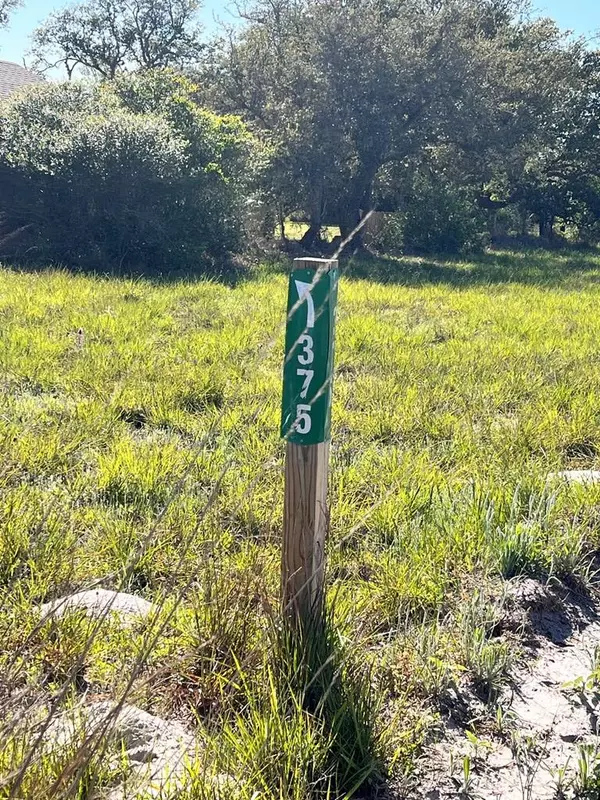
(468, 120)
(359, 100)
(106, 37)
(437, 218)
(122, 175)
(6, 7)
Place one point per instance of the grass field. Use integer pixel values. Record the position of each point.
(296, 230)
(140, 450)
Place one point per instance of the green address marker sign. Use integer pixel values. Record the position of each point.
(309, 350)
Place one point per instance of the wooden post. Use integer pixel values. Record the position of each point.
(306, 418)
(305, 525)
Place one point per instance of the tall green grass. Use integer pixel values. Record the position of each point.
(139, 450)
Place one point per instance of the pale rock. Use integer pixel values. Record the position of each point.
(157, 750)
(575, 476)
(99, 603)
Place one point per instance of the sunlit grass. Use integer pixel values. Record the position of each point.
(139, 440)
(296, 230)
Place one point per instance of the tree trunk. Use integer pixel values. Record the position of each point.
(524, 223)
(311, 237)
(547, 227)
(281, 216)
(350, 219)
(354, 204)
(494, 225)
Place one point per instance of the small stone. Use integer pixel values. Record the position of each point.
(577, 476)
(143, 735)
(157, 750)
(98, 603)
(572, 738)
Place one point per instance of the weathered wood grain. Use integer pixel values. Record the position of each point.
(306, 520)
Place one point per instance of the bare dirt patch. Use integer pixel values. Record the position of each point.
(529, 749)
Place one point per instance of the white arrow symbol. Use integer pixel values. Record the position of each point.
(304, 290)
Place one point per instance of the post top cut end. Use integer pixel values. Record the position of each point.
(324, 264)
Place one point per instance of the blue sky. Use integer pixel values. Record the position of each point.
(14, 42)
(580, 16)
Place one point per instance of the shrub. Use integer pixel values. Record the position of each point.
(437, 218)
(126, 174)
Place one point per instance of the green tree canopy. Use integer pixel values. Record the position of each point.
(6, 7)
(353, 94)
(109, 36)
(129, 173)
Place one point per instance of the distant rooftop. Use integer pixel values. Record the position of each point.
(13, 76)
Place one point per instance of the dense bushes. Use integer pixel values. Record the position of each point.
(126, 174)
(441, 219)
(436, 218)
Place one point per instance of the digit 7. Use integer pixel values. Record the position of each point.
(308, 375)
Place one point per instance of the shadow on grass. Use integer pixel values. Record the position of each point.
(229, 272)
(327, 681)
(520, 264)
(524, 265)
